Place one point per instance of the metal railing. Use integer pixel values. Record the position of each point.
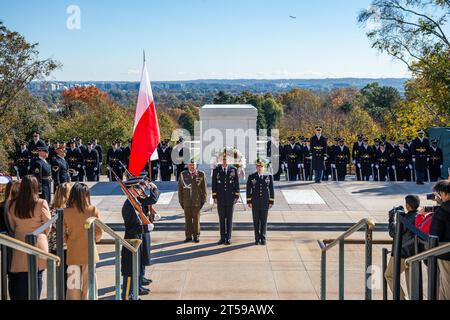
(369, 225)
(52, 260)
(131, 245)
(414, 274)
(30, 238)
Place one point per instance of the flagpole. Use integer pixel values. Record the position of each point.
(149, 160)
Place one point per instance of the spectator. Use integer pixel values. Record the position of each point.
(26, 213)
(440, 227)
(5, 188)
(412, 205)
(78, 210)
(60, 202)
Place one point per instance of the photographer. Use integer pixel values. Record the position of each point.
(440, 227)
(412, 203)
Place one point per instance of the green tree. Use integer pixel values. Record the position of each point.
(19, 65)
(378, 100)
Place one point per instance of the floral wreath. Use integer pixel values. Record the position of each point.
(234, 156)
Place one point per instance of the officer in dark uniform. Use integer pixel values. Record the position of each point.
(34, 144)
(60, 168)
(340, 160)
(420, 156)
(126, 154)
(364, 160)
(52, 150)
(390, 148)
(329, 170)
(22, 160)
(165, 161)
(260, 198)
(181, 151)
(436, 161)
(225, 192)
(113, 159)
(402, 162)
(382, 162)
(83, 150)
(136, 230)
(375, 148)
(42, 170)
(100, 156)
(75, 160)
(409, 146)
(358, 144)
(319, 154)
(306, 165)
(293, 155)
(92, 163)
(276, 156)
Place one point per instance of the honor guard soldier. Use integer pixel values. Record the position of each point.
(340, 160)
(402, 162)
(358, 144)
(260, 198)
(225, 192)
(92, 163)
(126, 154)
(408, 144)
(146, 195)
(42, 170)
(165, 161)
(307, 161)
(22, 160)
(192, 192)
(364, 160)
(275, 154)
(319, 154)
(60, 168)
(100, 156)
(420, 156)
(375, 148)
(75, 160)
(436, 162)
(83, 149)
(113, 159)
(34, 144)
(52, 150)
(390, 148)
(293, 155)
(328, 168)
(182, 152)
(382, 162)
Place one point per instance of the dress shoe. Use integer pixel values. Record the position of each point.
(196, 240)
(228, 242)
(146, 282)
(147, 279)
(221, 242)
(263, 242)
(188, 240)
(256, 242)
(144, 292)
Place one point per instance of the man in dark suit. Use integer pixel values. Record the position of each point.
(260, 198)
(319, 154)
(42, 170)
(420, 156)
(225, 192)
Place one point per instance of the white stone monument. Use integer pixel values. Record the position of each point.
(228, 126)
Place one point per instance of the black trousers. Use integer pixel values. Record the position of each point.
(91, 175)
(341, 170)
(18, 285)
(293, 171)
(46, 193)
(225, 221)
(435, 173)
(260, 222)
(166, 173)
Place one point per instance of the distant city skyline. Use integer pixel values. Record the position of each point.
(201, 39)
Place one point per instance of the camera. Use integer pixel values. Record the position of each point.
(431, 196)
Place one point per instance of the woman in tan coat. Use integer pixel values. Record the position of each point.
(78, 210)
(26, 213)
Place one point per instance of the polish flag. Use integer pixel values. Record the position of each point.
(146, 130)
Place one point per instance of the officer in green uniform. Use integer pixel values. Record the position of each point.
(192, 197)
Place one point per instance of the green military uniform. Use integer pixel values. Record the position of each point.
(192, 197)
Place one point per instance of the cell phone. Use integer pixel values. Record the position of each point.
(428, 209)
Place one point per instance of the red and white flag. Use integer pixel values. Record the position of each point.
(146, 129)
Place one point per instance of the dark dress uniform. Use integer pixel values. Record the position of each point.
(22, 162)
(260, 194)
(307, 163)
(225, 189)
(74, 158)
(293, 155)
(391, 148)
(52, 153)
(126, 156)
(60, 171)
(420, 154)
(402, 161)
(365, 159)
(155, 169)
(341, 158)
(435, 163)
(358, 144)
(327, 164)
(33, 147)
(113, 159)
(276, 159)
(100, 158)
(319, 153)
(382, 163)
(83, 150)
(165, 163)
(42, 170)
(92, 163)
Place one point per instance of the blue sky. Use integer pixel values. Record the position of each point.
(202, 39)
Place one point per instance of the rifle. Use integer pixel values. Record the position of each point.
(131, 198)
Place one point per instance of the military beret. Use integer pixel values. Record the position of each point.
(377, 140)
